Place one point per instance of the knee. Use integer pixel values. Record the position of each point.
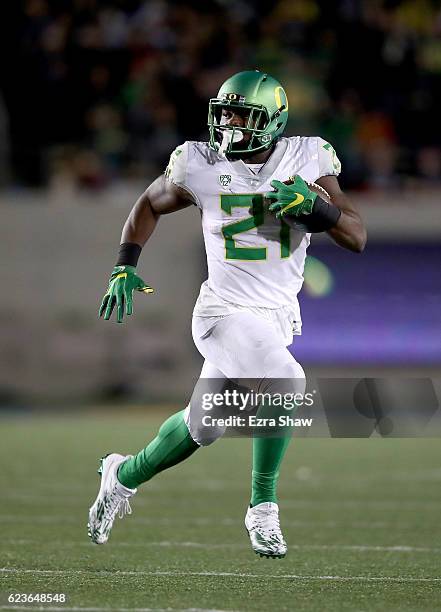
(281, 365)
(201, 427)
(291, 369)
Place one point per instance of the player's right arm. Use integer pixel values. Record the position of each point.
(162, 197)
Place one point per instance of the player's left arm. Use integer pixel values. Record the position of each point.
(349, 231)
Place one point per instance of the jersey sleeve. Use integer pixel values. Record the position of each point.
(176, 170)
(329, 164)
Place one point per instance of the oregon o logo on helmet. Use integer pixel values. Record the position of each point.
(278, 98)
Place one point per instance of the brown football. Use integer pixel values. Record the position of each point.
(316, 188)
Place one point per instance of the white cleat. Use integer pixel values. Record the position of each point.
(113, 498)
(262, 524)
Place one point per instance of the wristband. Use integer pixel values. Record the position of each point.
(323, 216)
(128, 254)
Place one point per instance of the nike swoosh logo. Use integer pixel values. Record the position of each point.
(299, 199)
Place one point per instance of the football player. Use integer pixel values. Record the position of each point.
(252, 186)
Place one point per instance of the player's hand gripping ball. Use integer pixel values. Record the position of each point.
(123, 282)
(293, 200)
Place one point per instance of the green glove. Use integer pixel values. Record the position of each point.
(123, 281)
(293, 200)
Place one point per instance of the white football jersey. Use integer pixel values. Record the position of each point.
(254, 260)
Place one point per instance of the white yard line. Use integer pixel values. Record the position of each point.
(95, 609)
(229, 545)
(115, 574)
(201, 521)
(289, 503)
(383, 504)
(39, 519)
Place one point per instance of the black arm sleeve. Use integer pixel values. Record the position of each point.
(322, 218)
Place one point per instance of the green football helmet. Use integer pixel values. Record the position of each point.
(257, 95)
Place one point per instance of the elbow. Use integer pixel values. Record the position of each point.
(360, 240)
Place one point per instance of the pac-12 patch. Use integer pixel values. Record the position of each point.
(225, 179)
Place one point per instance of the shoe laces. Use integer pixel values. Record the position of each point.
(117, 503)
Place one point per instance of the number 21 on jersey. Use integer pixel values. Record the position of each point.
(253, 201)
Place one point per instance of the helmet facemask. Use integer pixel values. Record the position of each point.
(234, 140)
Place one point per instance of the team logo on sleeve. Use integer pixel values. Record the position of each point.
(174, 156)
(225, 179)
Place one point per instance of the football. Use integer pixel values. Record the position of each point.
(320, 191)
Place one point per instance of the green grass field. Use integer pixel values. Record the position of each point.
(361, 517)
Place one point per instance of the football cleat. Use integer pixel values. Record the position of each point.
(262, 524)
(113, 498)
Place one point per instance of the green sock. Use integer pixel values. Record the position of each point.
(172, 445)
(267, 457)
(268, 453)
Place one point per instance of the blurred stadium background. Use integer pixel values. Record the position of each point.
(95, 96)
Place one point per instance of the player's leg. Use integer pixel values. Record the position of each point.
(172, 444)
(211, 381)
(285, 376)
(268, 452)
(178, 438)
(247, 347)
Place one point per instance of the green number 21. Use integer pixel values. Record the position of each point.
(253, 201)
